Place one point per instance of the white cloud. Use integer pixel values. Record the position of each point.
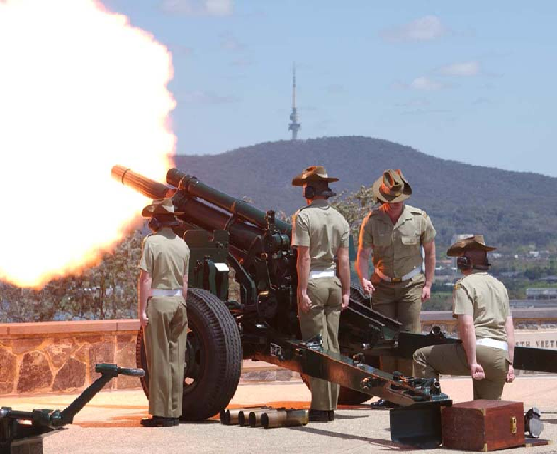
(427, 84)
(464, 69)
(199, 7)
(425, 28)
(229, 42)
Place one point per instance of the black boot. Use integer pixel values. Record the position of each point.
(319, 415)
(159, 421)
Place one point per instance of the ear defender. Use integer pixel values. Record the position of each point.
(309, 192)
(464, 263)
(154, 224)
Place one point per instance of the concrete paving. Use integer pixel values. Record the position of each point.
(110, 422)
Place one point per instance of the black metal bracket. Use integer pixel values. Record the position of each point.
(16, 424)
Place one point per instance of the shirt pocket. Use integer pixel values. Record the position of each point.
(409, 234)
(382, 235)
(410, 245)
(413, 240)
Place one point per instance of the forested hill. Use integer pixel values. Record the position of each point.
(510, 208)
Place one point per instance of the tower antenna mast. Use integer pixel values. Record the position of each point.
(294, 126)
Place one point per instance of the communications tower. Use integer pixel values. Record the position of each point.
(294, 126)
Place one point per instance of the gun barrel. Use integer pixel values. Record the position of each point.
(149, 188)
(193, 187)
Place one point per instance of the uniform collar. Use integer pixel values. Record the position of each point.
(404, 216)
(321, 203)
(167, 232)
(475, 273)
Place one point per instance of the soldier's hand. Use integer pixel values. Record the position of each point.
(426, 293)
(304, 303)
(477, 371)
(510, 374)
(143, 320)
(345, 301)
(367, 286)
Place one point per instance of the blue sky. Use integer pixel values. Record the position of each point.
(471, 81)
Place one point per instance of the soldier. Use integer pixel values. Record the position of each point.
(395, 234)
(163, 285)
(485, 326)
(319, 234)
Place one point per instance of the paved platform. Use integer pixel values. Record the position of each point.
(110, 423)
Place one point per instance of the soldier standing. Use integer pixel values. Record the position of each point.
(395, 234)
(319, 234)
(163, 285)
(485, 326)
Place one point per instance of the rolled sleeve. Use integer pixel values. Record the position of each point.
(345, 237)
(506, 305)
(300, 231)
(146, 262)
(428, 234)
(462, 304)
(186, 262)
(366, 237)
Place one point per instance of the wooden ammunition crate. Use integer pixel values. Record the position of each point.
(483, 425)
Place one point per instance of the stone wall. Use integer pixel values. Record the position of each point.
(61, 356)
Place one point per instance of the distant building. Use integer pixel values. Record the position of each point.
(533, 304)
(460, 236)
(541, 293)
(537, 298)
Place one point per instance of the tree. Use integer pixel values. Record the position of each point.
(107, 290)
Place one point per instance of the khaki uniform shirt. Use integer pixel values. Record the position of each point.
(486, 300)
(397, 249)
(165, 257)
(323, 229)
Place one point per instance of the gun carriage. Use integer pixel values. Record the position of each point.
(225, 233)
(22, 431)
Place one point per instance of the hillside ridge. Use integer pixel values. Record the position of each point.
(509, 207)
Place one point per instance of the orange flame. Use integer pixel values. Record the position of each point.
(80, 90)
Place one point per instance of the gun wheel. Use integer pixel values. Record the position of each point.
(213, 357)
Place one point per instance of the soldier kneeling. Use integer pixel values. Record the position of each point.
(485, 326)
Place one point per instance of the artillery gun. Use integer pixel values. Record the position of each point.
(21, 431)
(225, 233)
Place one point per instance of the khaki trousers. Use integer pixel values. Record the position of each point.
(323, 318)
(401, 301)
(450, 359)
(165, 345)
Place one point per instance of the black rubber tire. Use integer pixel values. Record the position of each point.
(213, 357)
